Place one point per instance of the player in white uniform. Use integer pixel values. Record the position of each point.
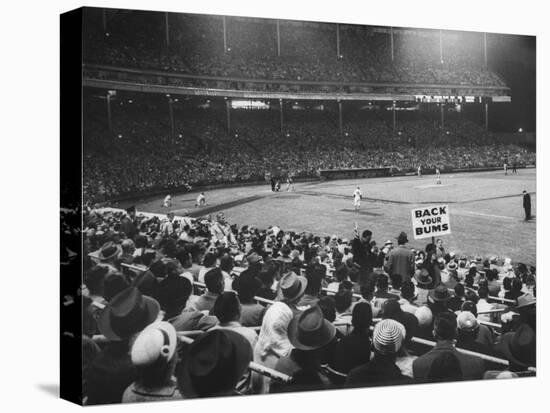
(167, 202)
(357, 196)
(419, 171)
(201, 200)
(289, 184)
(505, 168)
(438, 181)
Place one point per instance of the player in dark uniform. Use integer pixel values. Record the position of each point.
(527, 205)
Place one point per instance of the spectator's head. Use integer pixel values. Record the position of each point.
(226, 263)
(402, 239)
(388, 337)
(214, 281)
(128, 246)
(114, 284)
(367, 289)
(173, 294)
(341, 273)
(109, 252)
(147, 283)
(314, 280)
(445, 327)
(342, 301)
(424, 316)
(227, 307)
(361, 318)
(483, 292)
(95, 279)
(291, 288)
(247, 287)
(209, 260)
(310, 330)
(469, 306)
(366, 235)
(328, 307)
(214, 364)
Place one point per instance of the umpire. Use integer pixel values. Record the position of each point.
(527, 205)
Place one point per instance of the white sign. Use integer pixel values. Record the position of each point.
(431, 221)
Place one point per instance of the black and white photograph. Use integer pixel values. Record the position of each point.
(245, 206)
(273, 206)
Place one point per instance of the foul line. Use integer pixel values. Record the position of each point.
(469, 213)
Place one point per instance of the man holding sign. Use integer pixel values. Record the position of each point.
(432, 221)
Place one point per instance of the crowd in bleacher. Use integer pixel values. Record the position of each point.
(144, 156)
(178, 308)
(307, 52)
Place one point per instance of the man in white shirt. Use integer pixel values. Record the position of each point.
(201, 200)
(167, 201)
(357, 196)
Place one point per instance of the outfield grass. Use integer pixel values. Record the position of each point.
(485, 209)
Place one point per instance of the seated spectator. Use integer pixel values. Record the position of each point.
(308, 333)
(468, 330)
(343, 320)
(342, 274)
(396, 282)
(226, 266)
(354, 349)
(227, 309)
(209, 263)
(438, 299)
(154, 355)
(272, 344)
(483, 305)
(445, 332)
(290, 289)
(214, 364)
(252, 313)
(127, 255)
(408, 298)
(214, 287)
(387, 339)
(267, 278)
(424, 286)
(456, 301)
(313, 289)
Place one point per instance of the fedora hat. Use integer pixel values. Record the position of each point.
(157, 341)
(127, 313)
(520, 346)
(291, 287)
(440, 293)
(309, 330)
(526, 300)
(214, 363)
(402, 237)
(423, 278)
(108, 251)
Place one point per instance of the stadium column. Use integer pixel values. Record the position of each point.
(278, 38)
(110, 94)
(337, 40)
(167, 29)
(171, 112)
(228, 114)
(485, 47)
(441, 46)
(281, 114)
(104, 19)
(340, 115)
(394, 116)
(224, 34)
(442, 106)
(487, 115)
(391, 41)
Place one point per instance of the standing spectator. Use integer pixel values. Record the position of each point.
(361, 250)
(445, 332)
(401, 259)
(387, 339)
(127, 223)
(527, 205)
(291, 288)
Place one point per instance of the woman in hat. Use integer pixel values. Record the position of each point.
(154, 356)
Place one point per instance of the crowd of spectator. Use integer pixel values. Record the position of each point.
(141, 155)
(179, 308)
(308, 52)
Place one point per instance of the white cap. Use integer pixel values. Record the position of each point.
(155, 341)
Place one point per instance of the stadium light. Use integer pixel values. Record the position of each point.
(130, 101)
(520, 130)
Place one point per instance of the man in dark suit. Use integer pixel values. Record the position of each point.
(445, 332)
(527, 205)
(401, 259)
(127, 223)
(361, 250)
